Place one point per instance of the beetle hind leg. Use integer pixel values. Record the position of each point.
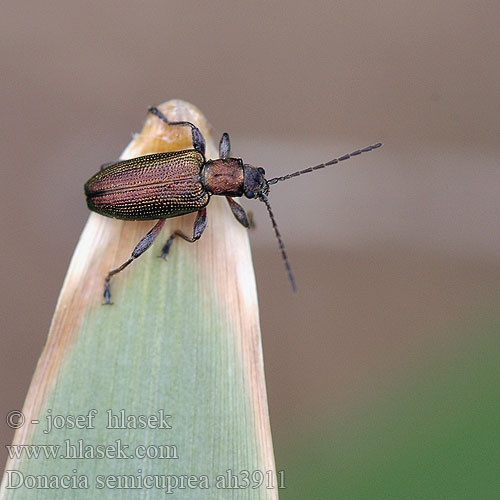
(198, 139)
(199, 226)
(141, 247)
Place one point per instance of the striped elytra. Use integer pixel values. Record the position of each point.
(156, 186)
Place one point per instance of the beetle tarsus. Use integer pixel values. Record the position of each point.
(199, 226)
(196, 135)
(166, 247)
(251, 221)
(107, 292)
(140, 248)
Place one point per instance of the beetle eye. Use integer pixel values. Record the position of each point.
(262, 171)
(249, 194)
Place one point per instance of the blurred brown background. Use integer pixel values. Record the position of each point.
(393, 252)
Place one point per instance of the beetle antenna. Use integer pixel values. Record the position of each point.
(284, 256)
(323, 165)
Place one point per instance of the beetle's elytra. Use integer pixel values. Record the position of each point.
(149, 187)
(164, 185)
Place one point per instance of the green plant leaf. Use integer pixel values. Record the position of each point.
(181, 344)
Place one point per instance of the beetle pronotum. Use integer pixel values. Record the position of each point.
(163, 185)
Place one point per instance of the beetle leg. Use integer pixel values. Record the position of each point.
(199, 226)
(141, 247)
(198, 139)
(251, 221)
(238, 212)
(224, 146)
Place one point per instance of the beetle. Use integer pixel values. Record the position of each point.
(164, 185)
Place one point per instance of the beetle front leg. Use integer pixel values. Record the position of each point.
(251, 221)
(199, 226)
(224, 146)
(141, 247)
(238, 212)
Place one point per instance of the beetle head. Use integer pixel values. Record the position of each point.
(255, 185)
(254, 182)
